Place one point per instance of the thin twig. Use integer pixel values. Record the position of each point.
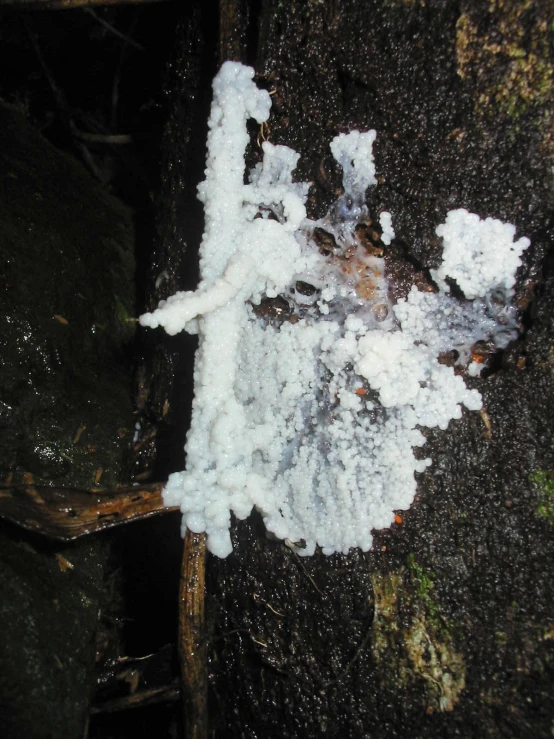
(363, 644)
(139, 699)
(310, 578)
(114, 30)
(193, 653)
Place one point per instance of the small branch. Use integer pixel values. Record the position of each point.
(193, 653)
(66, 513)
(114, 30)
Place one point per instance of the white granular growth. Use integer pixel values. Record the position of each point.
(481, 255)
(314, 421)
(385, 221)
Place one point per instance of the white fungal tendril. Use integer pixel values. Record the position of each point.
(311, 385)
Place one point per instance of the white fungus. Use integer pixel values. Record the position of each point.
(480, 255)
(385, 220)
(310, 385)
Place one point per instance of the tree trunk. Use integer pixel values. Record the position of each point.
(445, 628)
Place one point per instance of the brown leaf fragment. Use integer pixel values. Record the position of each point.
(66, 513)
(63, 563)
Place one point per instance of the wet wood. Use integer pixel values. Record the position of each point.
(66, 513)
(192, 639)
(231, 21)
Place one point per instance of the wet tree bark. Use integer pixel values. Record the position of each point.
(445, 628)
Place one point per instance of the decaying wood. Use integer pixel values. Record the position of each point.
(192, 641)
(65, 513)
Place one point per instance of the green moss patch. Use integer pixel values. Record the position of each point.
(544, 482)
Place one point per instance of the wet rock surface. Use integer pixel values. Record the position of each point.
(66, 416)
(49, 604)
(66, 294)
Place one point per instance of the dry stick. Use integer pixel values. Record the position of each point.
(65, 513)
(193, 653)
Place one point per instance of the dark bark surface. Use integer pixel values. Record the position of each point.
(445, 628)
